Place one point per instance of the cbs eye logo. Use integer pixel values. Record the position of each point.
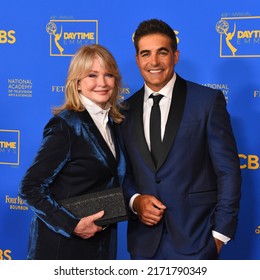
(5, 255)
(7, 37)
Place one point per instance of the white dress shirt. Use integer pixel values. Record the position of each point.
(100, 118)
(164, 104)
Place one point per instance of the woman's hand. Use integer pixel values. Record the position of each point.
(86, 227)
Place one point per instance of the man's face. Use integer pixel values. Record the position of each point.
(156, 60)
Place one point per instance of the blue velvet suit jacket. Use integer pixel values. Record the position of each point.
(73, 159)
(198, 177)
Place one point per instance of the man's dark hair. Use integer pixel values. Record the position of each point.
(154, 26)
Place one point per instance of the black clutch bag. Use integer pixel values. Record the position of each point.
(110, 200)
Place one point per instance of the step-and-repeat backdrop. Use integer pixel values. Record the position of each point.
(219, 43)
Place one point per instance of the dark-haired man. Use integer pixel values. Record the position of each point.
(184, 190)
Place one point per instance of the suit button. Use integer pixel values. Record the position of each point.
(157, 180)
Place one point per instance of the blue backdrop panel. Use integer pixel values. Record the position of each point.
(219, 47)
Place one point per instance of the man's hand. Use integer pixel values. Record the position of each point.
(150, 210)
(86, 227)
(219, 244)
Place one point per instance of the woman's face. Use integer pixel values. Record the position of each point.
(98, 85)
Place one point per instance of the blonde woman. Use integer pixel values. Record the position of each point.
(78, 154)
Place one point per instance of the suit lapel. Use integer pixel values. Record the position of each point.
(121, 164)
(114, 138)
(139, 129)
(172, 125)
(174, 118)
(98, 140)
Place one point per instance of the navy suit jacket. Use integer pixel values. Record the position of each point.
(198, 176)
(73, 159)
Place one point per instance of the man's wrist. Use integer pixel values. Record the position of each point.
(131, 202)
(220, 236)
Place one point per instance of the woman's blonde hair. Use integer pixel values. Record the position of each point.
(80, 64)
